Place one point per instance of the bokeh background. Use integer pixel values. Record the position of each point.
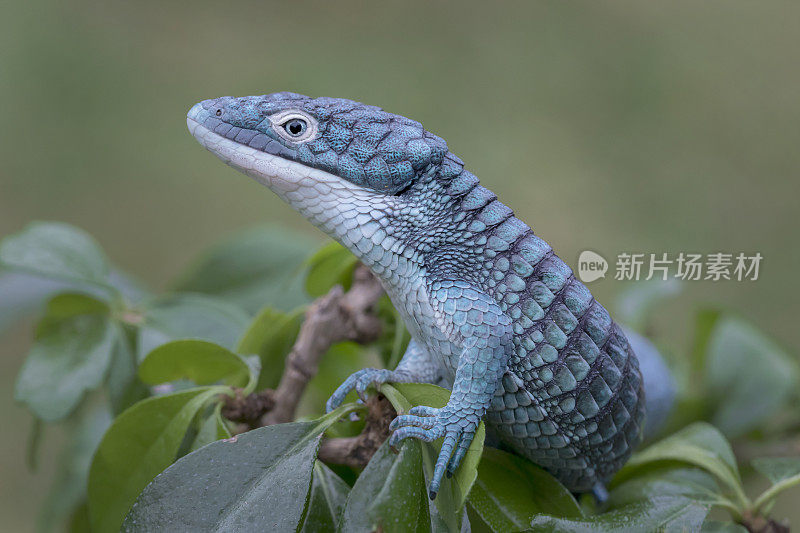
(614, 126)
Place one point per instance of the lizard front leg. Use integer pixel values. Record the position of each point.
(473, 321)
(416, 366)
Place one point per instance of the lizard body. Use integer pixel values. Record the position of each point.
(492, 311)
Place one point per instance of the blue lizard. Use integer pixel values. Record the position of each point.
(493, 312)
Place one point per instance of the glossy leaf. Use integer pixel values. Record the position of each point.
(141, 442)
(257, 266)
(742, 363)
(71, 355)
(453, 491)
(327, 500)
(256, 481)
(210, 429)
(190, 316)
(201, 362)
(510, 491)
(662, 513)
(699, 444)
(390, 495)
(667, 480)
(55, 250)
(271, 335)
(331, 265)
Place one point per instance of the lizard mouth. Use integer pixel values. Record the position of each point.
(285, 177)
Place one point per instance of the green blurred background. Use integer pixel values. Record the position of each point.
(614, 126)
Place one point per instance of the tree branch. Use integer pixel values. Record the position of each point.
(357, 451)
(338, 316)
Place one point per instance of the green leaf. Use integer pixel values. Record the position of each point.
(328, 496)
(124, 387)
(714, 526)
(331, 265)
(190, 316)
(201, 362)
(341, 360)
(256, 481)
(699, 444)
(55, 250)
(511, 490)
(390, 494)
(453, 491)
(635, 303)
(271, 335)
(70, 356)
(140, 443)
(742, 363)
(667, 480)
(211, 429)
(253, 267)
(661, 513)
(659, 383)
(69, 488)
(783, 472)
(22, 294)
(777, 469)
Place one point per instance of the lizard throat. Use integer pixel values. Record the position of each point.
(358, 218)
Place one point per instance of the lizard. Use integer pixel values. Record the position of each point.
(493, 312)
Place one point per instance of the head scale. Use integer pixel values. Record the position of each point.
(360, 143)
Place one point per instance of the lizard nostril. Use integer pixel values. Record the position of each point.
(219, 112)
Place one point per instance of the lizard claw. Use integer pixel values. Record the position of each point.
(428, 424)
(360, 381)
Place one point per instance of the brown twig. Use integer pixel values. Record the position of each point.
(338, 316)
(357, 451)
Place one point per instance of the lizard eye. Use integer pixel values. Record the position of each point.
(295, 127)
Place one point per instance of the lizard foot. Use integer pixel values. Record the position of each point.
(457, 426)
(359, 381)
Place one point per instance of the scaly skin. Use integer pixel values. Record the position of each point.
(493, 312)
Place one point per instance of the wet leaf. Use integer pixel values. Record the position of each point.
(390, 495)
(453, 491)
(328, 497)
(141, 442)
(511, 490)
(256, 481)
(699, 444)
(662, 513)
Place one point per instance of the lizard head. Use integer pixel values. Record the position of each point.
(283, 138)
